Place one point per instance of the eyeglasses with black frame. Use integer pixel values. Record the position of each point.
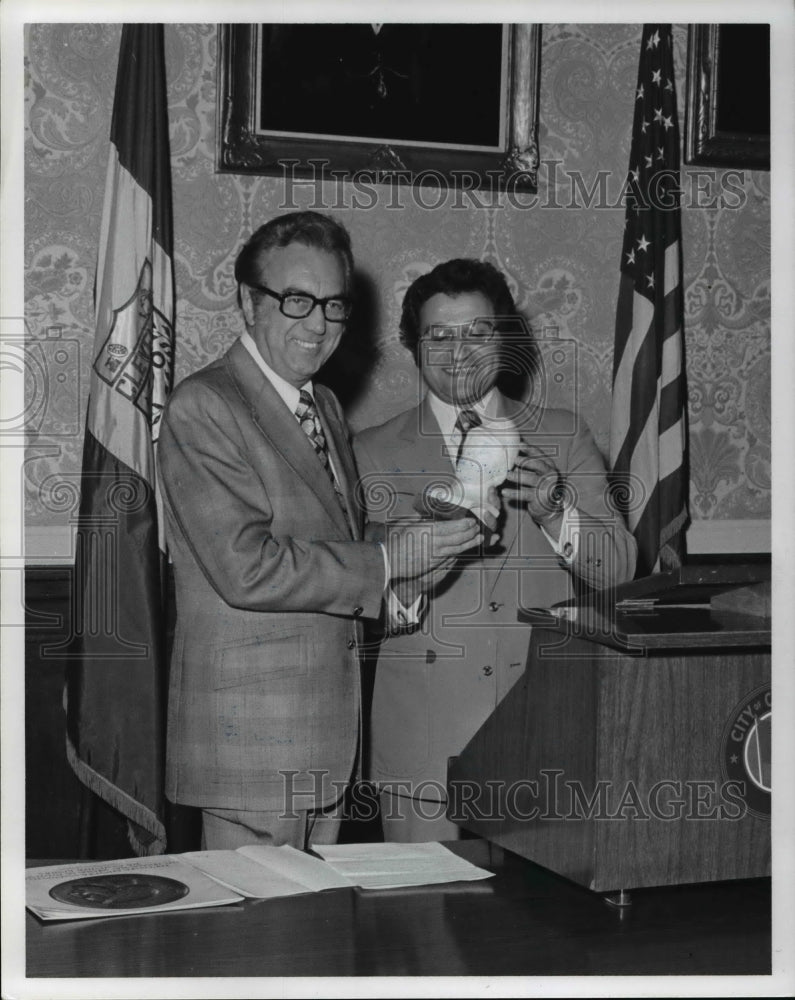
(298, 305)
(478, 331)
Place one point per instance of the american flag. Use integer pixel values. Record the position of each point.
(648, 423)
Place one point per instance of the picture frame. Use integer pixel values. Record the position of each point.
(727, 110)
(494, 147)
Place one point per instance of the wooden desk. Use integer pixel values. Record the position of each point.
(524, 921)
(613, 761)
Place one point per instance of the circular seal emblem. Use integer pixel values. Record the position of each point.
(123, 891)
(745, 750)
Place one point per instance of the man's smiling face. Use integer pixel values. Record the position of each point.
(295, 348)
(459, 358)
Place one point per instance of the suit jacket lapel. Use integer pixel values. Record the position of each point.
(424, 442)
(282, 430)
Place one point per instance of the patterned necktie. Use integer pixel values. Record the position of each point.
(465, 421)
(308, 418)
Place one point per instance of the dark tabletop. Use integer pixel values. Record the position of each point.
(524, 921)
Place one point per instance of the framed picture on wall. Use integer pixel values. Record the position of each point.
(437, 103)
(727, 112)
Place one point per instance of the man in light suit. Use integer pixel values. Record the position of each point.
(273, 565)
(435, 686)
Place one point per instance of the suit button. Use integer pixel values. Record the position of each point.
(357, 611)
(351, 644)
(488, 671)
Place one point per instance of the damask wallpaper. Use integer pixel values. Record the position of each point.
(561, 256)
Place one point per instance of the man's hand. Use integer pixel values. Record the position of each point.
(417, 547)
(538, 484)
(490, 515)
(407, 591)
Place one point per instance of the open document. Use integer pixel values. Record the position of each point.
(266, 872)
(214, 878)
(393, 866)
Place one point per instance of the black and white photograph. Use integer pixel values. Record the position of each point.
(396, 441)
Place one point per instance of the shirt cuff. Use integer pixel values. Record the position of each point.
(386, 565)
(398, 616)
(568, 541)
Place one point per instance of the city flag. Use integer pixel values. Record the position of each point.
(648, 423)
(115, 685)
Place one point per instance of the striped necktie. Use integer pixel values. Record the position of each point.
(465, 421)
(308, 418)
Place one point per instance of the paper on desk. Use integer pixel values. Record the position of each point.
(122, 885)
(214, 878)
(266, 872)
(392, 866)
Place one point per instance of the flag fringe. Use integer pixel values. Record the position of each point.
(133, 811)
(670, 558)
(673, 527)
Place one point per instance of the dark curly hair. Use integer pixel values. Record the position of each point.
(454, 277)
(312, 229)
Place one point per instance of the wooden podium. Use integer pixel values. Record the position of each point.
(635, 749)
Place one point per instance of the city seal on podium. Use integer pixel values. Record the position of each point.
(745, 750)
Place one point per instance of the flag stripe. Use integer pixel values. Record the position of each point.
(111, 567)
(139, 128)
(671, 449)
(634, 316)
(641, 399)
(671, 403)
(671, 268)
(641, 319)
(645, 529)
(672, 355)
(642, 464)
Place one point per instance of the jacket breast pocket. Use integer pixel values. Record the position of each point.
(263, 658)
